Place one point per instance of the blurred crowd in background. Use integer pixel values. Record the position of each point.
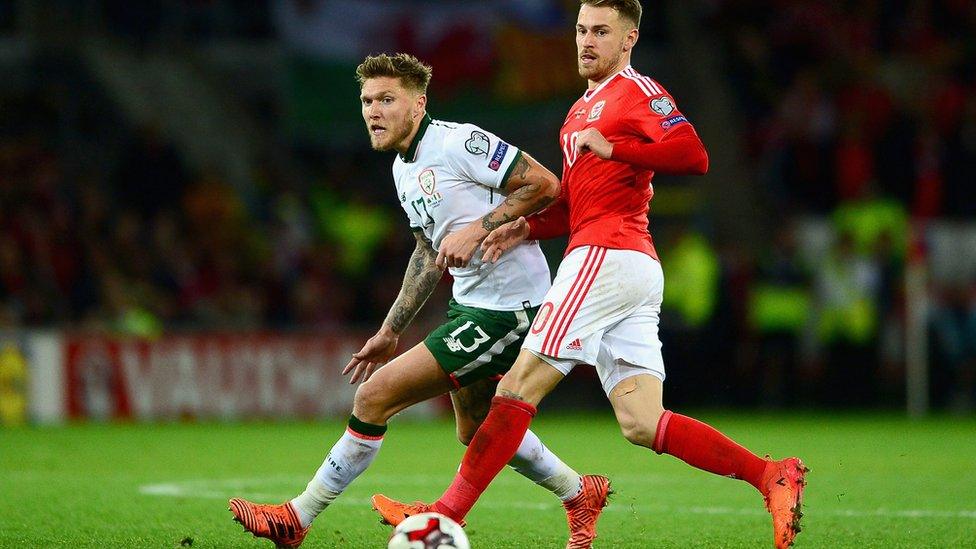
(857, 122)
(864, 113)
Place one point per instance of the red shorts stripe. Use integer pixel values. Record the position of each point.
(555, 320)
(579, 301)
(586, 270)
(565, 304)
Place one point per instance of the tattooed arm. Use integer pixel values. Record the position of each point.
(419, 281)
(530, 186)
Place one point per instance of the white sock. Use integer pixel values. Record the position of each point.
(536, 462)
(350, 456)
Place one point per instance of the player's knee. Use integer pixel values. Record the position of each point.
(371, 404)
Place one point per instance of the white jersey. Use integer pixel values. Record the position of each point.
(452, 175)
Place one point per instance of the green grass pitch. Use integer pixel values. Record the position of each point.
(876, 481)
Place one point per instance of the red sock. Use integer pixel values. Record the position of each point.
(493, 446)
(701, 446)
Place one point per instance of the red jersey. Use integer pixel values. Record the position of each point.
(607, 201)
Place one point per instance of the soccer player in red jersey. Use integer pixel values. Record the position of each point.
(605, 301)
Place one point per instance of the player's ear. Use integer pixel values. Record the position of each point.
(420, 106)
(631, 40)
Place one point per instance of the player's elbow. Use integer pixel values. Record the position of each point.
(689, 153)
(697, 159)
(549, 187)
(699, 164)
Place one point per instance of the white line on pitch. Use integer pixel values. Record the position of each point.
(224, 489)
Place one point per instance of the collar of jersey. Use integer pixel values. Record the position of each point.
(596, 90)
(411, 154)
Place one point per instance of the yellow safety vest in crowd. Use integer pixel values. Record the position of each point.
(691, 274)
(775, 308)
(13, 385)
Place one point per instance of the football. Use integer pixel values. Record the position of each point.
(428, 531)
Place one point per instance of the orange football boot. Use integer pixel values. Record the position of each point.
(395, 512)
(783, 482)
(583, 511)
(279, 523)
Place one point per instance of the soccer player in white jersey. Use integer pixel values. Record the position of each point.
(455, 179)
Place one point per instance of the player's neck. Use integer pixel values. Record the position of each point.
(621, 65)
(404, 146)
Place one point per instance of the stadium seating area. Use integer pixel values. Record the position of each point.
(861, 112)
(118, 233)
(842, 97)
(858, 118)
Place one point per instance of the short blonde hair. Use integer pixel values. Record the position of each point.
(412, 72)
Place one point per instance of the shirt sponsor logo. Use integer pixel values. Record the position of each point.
(477, 144)
(596, 111)
(673, 121)
(496, 159)
(662, 106)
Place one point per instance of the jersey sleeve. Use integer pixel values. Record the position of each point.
(480, 156)
(550, 222)
(654, 113)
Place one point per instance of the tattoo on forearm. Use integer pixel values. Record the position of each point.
(542, 203)
(490, 224)
(419, 282)
(521, 167)
(517, 200)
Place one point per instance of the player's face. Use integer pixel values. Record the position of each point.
(390, 111)
(602, 40)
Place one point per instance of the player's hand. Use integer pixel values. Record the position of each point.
(592, 140)
(376, 352)
(458, 247)
(504, 238)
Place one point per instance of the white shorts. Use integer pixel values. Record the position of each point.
(603, 309)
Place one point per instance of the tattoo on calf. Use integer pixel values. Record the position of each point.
(508, 394)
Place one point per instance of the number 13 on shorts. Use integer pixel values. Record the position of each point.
(453, 341)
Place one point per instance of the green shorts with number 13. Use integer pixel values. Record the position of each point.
(479, 343)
